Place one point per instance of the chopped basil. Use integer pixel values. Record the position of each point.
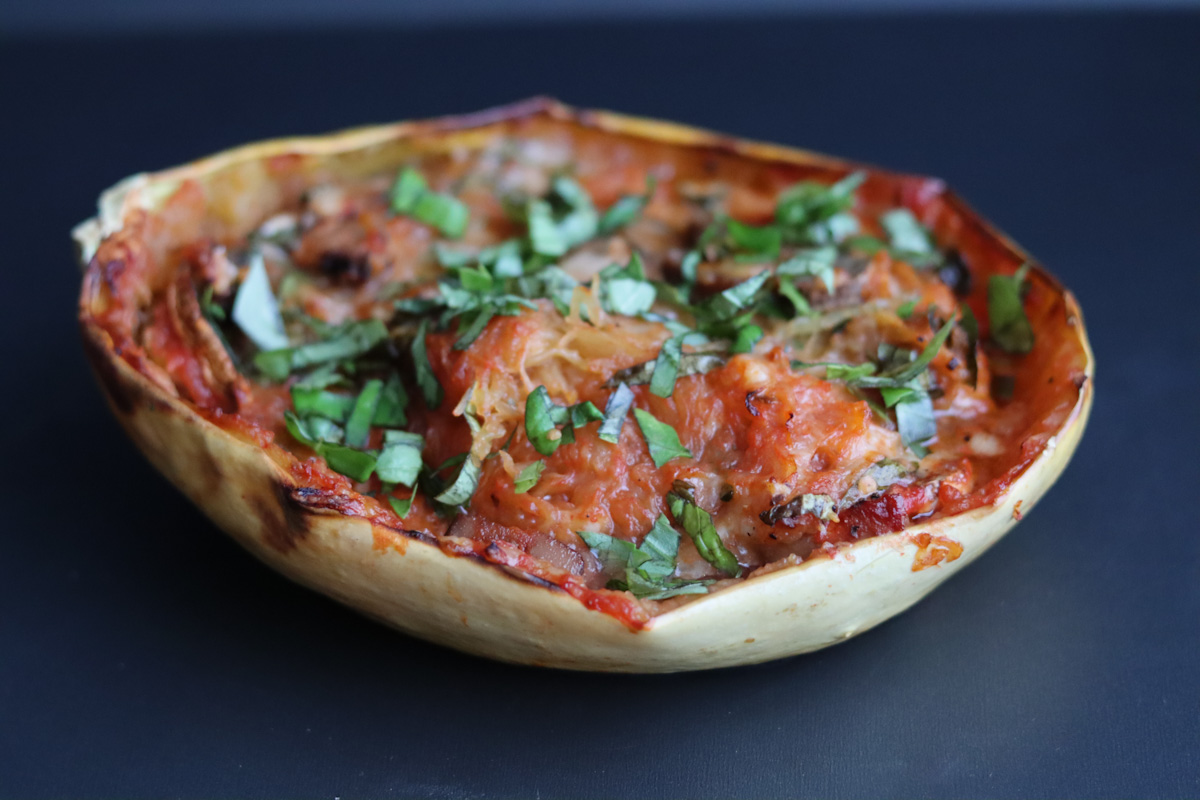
(313, 430)
(619, 403)
(817, 262)
(358, 426)
(905, 310)
(689, 364)
(813, 213)
(900, 375)
(898, 394)
(661, 439)
(431, 389)
(726, 305)
(1010, 328)
(402, 507)
(850, 373)
(211, 308)
(666, 366)
(352, 463)
(322, 435)
(528, 477)
(318, 402)
(544, 236)
(411, 196)
(464, 484)
(400, 460)
(747, 337)
(763, 240)
(792, 294)
(914, 418)
(626, 209)
(255, 309)
(627, 296)
(470, 333)
(323, 376)
(905, 234)
(583, 413)
(647, 569)
(542, 418)
(344, 342)
(393, 400)
(698, 524)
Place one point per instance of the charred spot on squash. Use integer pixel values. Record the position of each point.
(285, 521)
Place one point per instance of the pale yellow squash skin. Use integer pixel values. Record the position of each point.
(467, 603)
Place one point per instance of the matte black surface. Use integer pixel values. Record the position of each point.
(143, 654)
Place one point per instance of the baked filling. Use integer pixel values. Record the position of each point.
(633, 370)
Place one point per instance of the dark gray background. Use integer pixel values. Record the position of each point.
(106, 16)
(143, 655)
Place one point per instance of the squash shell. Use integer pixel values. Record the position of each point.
(465, 602)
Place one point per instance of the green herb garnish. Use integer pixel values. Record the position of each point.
(255, 309)
(411, 196)
(661, 439)
(1010, 328)
(528, 477)
(698, 525)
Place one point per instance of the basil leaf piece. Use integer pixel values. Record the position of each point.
(898, 394)
(905, 310)
(763, 240)
(448, 214)
(459, 492)
(666, 366)
(255, 309)
(798, 301)
(477, 325)
(542, 418)
(747, 337)
(393, 400)
(698, 525)
(914, 418)
(400, 460)
(411, 196)
(528, 477)
(1010, 328)
(850, 373)
(811, 212)
(320, 378)
(626, 209)
(544, 235)
(817, 262)
(358, 426)
(402, 507)
(661, 439)
(352, 463)
(320, 403)
(726, 305)
(627, 296)
(344, 342)
(615, 411)
(905, 233)
(901, 374)
(321, 435)
(583, 413)
(431, 389)
(689, 364)
(647, 568)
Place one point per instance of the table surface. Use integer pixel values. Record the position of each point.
(143, 654)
